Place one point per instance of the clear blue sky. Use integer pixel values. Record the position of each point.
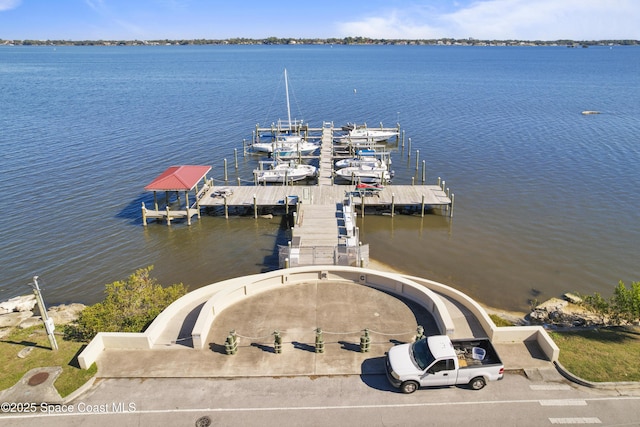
(407, 19)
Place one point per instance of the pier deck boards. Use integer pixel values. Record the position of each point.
(401, 195)
(325, 192)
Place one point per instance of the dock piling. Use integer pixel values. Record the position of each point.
(393, 204)
(255, 206)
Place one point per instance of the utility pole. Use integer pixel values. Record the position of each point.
(48, 323)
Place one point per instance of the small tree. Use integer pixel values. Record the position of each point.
(129, 306)
(626, 302)
(623, 307)
(597, 304)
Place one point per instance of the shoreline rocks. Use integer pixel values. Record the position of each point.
(20, 312)
(564, 313)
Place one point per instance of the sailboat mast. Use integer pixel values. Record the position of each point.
(286, 89)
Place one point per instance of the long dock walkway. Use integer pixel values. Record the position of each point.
(324, 229)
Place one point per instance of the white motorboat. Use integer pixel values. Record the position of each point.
(366, 174)
(286, 147)
(360, 161)
(284, 172)
(365, 135)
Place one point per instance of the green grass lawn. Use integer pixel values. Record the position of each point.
(13, 367)
(601, 355)
(598, 355)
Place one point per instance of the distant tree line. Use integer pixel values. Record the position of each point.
(319, 41)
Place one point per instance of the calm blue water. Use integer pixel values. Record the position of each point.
(546, 198)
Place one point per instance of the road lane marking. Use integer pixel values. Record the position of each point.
(314, 408)
(549, 387)
(563, 402)
(588, 420)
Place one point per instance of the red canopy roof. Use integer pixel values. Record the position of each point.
(178, 178)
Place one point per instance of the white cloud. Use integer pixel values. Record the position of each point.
(506, 19)
(9, 4)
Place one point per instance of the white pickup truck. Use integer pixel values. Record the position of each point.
(439, 361)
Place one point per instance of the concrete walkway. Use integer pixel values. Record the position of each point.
(342, 310)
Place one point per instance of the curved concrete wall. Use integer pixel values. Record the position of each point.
(219, 296)
(497, 334)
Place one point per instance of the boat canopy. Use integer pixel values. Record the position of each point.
(178, 178)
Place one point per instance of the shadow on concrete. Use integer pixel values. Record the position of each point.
(345, 345)
(217, 348)
(372, 373)
(535, 351)
(184, 336)
(303, 346)
(266, 348)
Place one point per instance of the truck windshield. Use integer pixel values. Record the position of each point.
(421, 355)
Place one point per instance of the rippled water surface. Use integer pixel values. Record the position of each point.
(546, 198)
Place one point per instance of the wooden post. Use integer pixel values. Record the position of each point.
(393, 204)
(168, 216)
(226, 177)
(417, 158)
(424, 171)
(144, 215)
(451, 206)
(226, 208)
(422, 207)
(235, 155)
(409, 149)
(155, 200)
(255, 207)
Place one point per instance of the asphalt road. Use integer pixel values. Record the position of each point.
(340, 400)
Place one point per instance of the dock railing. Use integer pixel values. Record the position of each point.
(355, 256)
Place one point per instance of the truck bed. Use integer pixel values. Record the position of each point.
(475, 352)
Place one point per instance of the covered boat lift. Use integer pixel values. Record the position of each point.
(177, 179)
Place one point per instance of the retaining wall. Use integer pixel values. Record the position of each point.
(221, 295)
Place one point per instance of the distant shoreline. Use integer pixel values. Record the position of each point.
(328, 41)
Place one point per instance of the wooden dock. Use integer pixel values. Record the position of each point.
(325, 192)
(324, 230)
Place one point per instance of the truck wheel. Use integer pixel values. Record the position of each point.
(477, 383)
(409, 387)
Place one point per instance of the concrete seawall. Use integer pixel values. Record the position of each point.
(216, 297)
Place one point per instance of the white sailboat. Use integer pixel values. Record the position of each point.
(287, 141)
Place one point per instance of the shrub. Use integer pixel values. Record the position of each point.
(129, 306)
(622, 308)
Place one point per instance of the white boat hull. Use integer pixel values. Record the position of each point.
(362, 174)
